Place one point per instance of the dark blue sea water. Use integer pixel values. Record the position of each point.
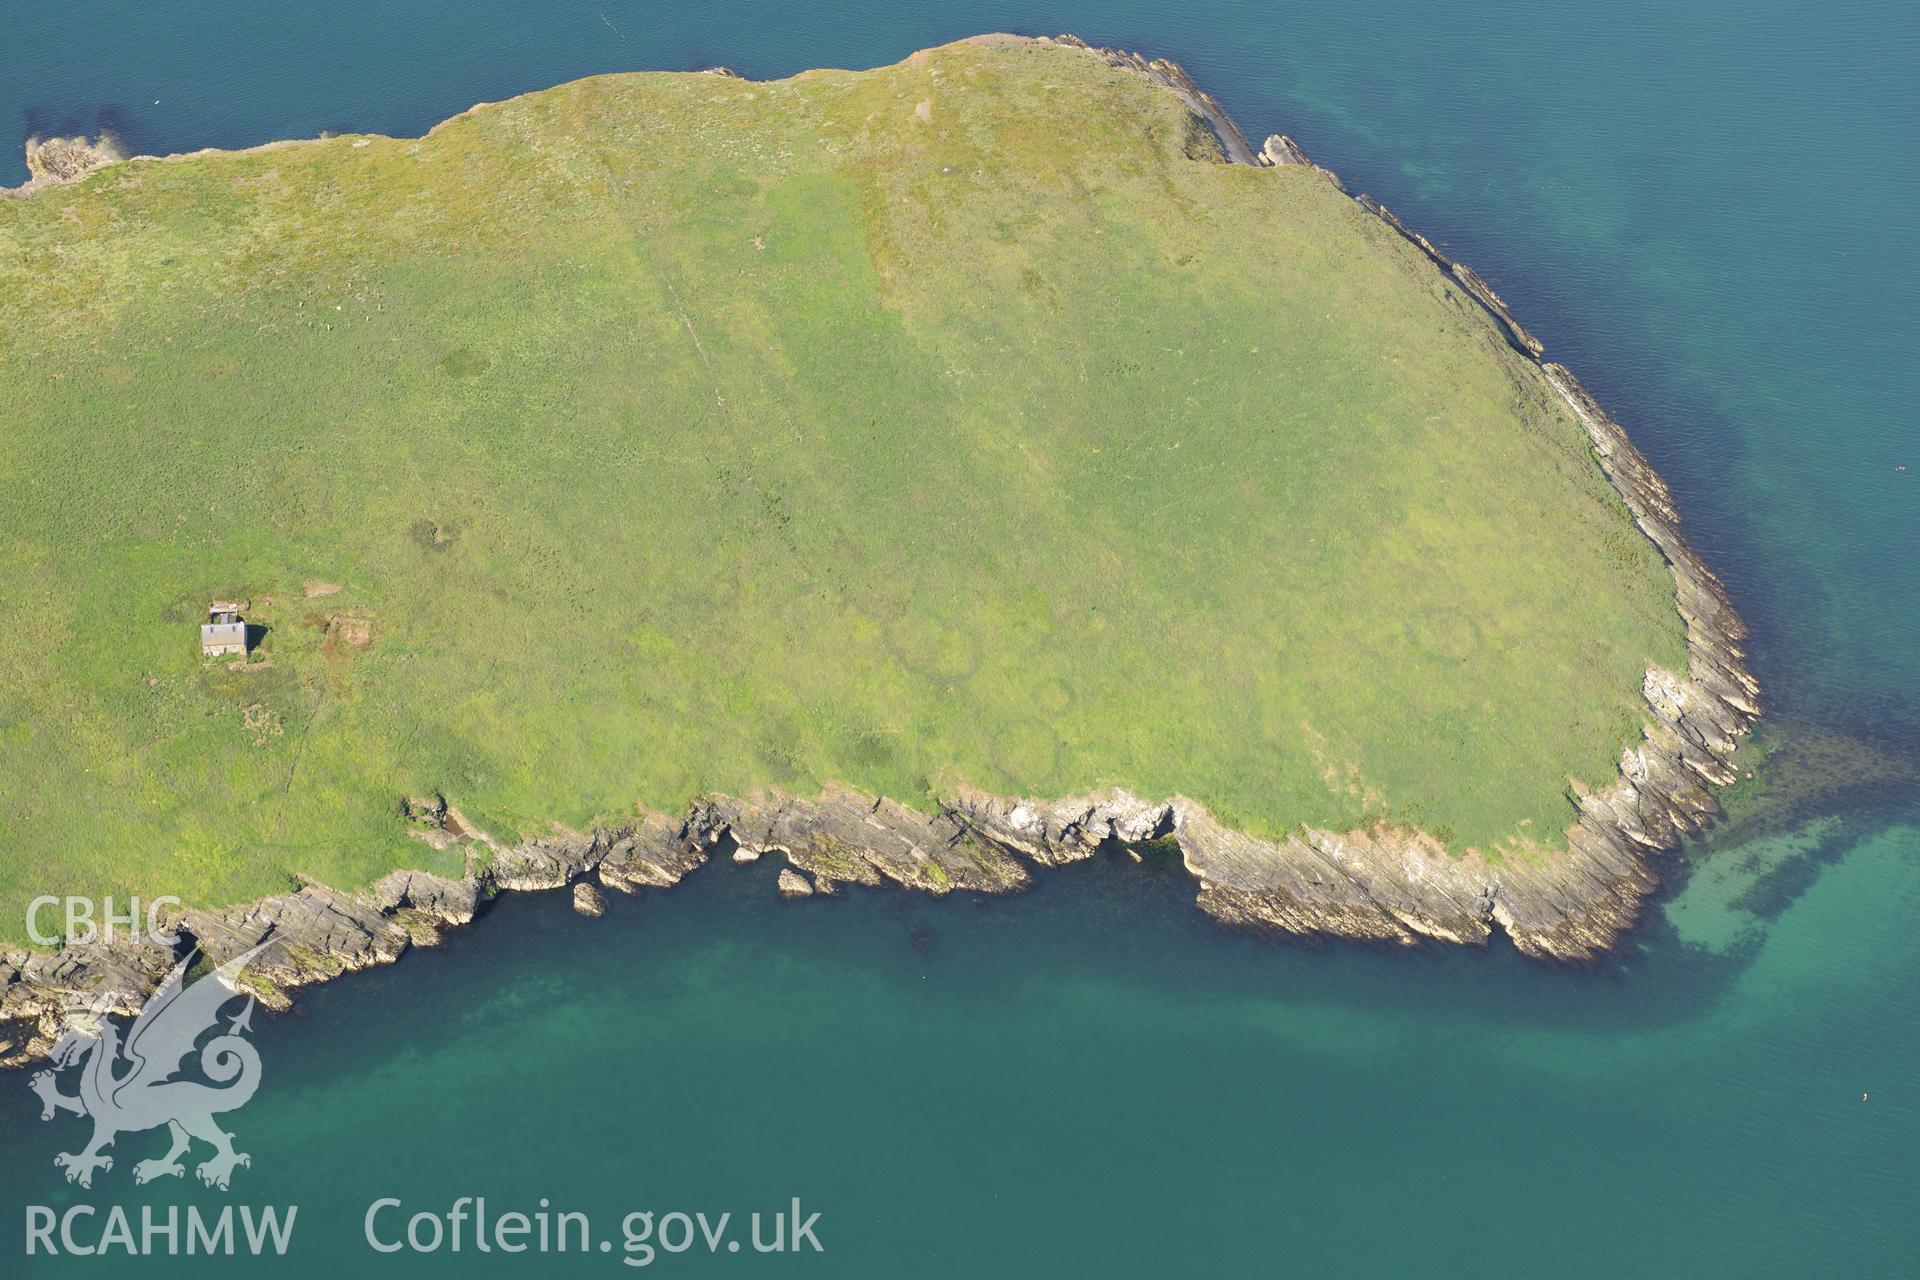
(1705, 209)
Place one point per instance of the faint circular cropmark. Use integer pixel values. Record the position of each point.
(930, 648)
(1026, 750)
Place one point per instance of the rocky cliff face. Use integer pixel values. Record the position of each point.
(1383, 884)
(1172, 77)
(1400, 885)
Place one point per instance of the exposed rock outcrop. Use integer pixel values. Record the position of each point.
(1173, 77)
(1479, 290)
(857, 839)
(1279, 149)
(56, 160)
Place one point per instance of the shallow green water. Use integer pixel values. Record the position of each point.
(1705, 210)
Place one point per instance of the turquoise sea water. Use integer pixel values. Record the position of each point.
(1705, 210)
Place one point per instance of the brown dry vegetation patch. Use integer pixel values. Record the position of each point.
(347, 634)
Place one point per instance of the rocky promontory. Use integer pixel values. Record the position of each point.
(1382, 883)
(55, 160)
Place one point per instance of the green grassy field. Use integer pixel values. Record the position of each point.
(960, 421)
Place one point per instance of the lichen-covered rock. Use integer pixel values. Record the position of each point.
(548, 862)
(793, 884)
(42, 993)
(309, 935)
(859, 839)
(655, 853)
(443, 899)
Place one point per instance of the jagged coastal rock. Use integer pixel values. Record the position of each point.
(52, 160)
(1383, 884)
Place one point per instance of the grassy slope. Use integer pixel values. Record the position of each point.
(679, 433)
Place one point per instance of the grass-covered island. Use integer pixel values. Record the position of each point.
(663, 461)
